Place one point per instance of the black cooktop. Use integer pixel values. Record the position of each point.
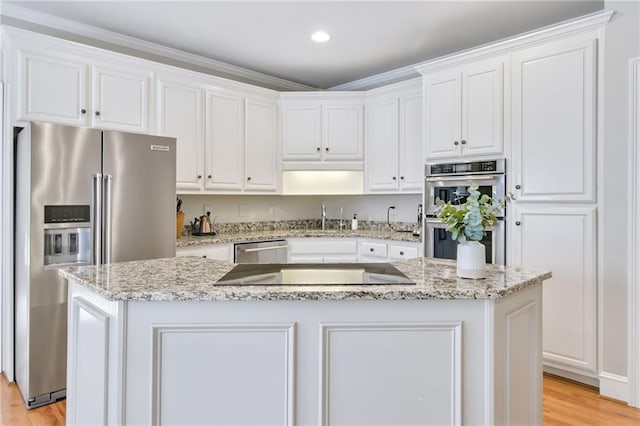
(315, 274)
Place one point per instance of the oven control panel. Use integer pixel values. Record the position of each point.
(469, 167)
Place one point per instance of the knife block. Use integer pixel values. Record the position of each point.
(179, 223)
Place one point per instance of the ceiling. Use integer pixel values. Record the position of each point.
(272, 38)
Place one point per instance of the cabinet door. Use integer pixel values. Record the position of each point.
(120, 100)
(482, 108)
(382, 145)
(224, 147)
(260, 159)
(554, 121)
(222, 252)
(562, 240)
(180, 115)
(402, 251)
(442, 114)
(343, 132)
(301, 127)
(52, 89)
(410, 146)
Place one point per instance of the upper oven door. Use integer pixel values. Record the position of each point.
(455, 189)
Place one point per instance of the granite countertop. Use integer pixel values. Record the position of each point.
(235, 237)
(193, 278)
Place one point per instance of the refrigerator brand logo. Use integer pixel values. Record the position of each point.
(159, 148)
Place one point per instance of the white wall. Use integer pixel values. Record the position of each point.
(622, 40)
(243, 208)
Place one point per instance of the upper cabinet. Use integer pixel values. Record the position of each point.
(464, 110)
(65, 89)
(554, 121)
(260, 146)
(394, 139)
(322, 127)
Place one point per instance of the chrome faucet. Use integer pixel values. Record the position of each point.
(324, 216)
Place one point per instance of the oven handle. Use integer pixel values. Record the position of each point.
(461, 178)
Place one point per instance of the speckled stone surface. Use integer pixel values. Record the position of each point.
(194, 278)
(236, 237)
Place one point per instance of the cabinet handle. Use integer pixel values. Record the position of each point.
(371, 249)
(204, 257)
(517, 186)
(248, 178)
(517, 223)
(463, 142)
(199, 176)
(401, 253)
(456, 143)
(318, 149)
(83, 111)
(327, 149)
(394, 178)
(209, 176)
(97, 113)
(401, 177)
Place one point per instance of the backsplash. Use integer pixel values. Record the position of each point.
(235, 227)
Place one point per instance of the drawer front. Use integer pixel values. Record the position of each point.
(322, 246)
(402, 252)
(376, 250)
(210, 251)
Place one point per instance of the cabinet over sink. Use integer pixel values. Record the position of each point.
(157, 341)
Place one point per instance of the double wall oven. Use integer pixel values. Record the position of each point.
(450, 182)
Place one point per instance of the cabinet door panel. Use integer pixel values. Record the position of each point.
(260, 147)
(224, 145)
(382, 146)
(562, 240)
(343, 132)
(410, 152)
(180, 115)
(442, 115)
(52, 89)
(482, 109)
(121, 99)
(554, 121)
(301, 132)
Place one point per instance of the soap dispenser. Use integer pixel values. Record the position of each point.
(354, 222)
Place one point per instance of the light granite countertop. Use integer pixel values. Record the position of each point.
(194, 278)
(236, 237)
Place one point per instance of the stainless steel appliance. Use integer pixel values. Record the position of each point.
(272, 251)
(83, 196)
(315, 274)
(450, 182)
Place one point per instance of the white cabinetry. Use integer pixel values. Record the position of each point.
(563, 240)
(319, 250)
(222, 252)
(322, 127)
(181, 115)
(260, 146)
(57, 88)
(464, 110)
(387, 251)
(554, 121)
(394, 139)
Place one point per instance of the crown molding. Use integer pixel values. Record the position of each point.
(74, 28)
(378, 80)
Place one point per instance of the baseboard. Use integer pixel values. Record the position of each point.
(591, 381)
(614, 386)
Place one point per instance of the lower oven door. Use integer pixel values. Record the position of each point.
(439, 244)
(274, 251)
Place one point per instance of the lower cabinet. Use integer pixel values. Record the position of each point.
(387, 251)
(322, 250)
(222, 252)
(562, 239)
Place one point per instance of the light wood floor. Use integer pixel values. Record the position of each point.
(564, 403)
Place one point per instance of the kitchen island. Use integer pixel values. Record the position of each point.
(157, 342)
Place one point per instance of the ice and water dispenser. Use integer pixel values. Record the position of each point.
(67, 235)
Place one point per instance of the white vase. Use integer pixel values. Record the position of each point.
(471, 260)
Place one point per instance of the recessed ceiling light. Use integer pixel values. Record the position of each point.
(320, 37)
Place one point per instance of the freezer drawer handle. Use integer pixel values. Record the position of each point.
(251, 250)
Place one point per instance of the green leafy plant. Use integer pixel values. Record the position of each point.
(468, 221)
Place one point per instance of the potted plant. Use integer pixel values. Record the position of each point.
(467, 223)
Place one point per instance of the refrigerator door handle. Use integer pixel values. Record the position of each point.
(96, 220)
(106, 220)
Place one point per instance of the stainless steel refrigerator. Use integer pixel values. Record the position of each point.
(83, 196)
